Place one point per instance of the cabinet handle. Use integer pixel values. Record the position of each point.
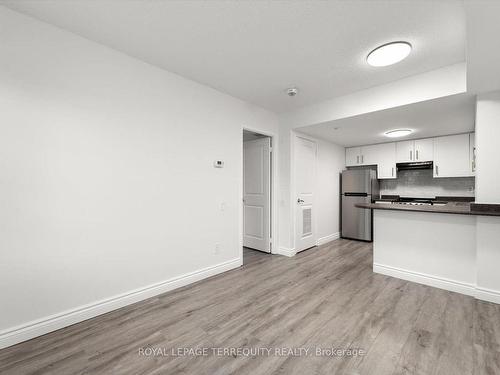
(411, 155)
(357, 159)
(437, 171)
(362, 159)
(392, 172)
(416, 152)
(474, 159)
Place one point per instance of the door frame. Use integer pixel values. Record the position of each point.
(273, 190)
(293, 189)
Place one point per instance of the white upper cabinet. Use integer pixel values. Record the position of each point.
(452, 156)
(369, 155)
(472, 152)
(382, 155)
(413, 151)
(366, 155)
(424, 149)
(404, 151)
(352, 156)
(357, 156)
(385, 156)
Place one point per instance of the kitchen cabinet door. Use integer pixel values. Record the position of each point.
(405, 151)
(369, 155)
(452, 156)
(352, 157)
(424, 150)
(472, 152)
(386, 160)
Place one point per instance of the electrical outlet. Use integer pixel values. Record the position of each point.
(217, 248)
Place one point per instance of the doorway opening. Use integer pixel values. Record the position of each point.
(257, 196)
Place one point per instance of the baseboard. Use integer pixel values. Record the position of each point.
(421, 278)
(54, 322)
(326, 239)
(488, 295)
(286, 251)
(290, 252)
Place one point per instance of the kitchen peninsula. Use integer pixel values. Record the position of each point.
(429, 244)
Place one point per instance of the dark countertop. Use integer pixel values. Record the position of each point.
(460, 208)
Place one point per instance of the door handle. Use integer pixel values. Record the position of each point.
(416, 152)
(411, 155)
(300, 200)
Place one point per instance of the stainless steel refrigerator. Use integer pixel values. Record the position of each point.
(358, 186)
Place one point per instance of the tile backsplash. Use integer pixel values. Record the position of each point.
(420, 184)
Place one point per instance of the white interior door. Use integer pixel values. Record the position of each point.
(257, 194)
(305, 178)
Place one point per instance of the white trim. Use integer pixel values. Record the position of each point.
(326, 239)
(63, 319)
(489, 295)
(421, 278)
(285, 251)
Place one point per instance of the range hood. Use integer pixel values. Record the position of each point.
(414, 165)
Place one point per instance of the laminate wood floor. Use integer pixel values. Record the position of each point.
(326, 297)
(250, 256)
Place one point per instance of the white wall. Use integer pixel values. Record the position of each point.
(487, 150)
(483, 61)
(449, 80)
(331, 163)
(488, 191)
(286, 217)
(429, 248)
(107, 180)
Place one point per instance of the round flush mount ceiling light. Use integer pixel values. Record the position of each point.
(398, 133)
(388, 54)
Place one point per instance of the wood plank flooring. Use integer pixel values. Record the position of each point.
(250, 256)
(326, 297)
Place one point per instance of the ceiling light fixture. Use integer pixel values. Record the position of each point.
(398, 133)
(388, 54)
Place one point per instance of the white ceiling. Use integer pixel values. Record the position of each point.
(255, 49)
(449, 115)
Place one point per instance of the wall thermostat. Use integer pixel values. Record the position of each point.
(219, 164)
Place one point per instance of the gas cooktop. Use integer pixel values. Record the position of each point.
(412, 201)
